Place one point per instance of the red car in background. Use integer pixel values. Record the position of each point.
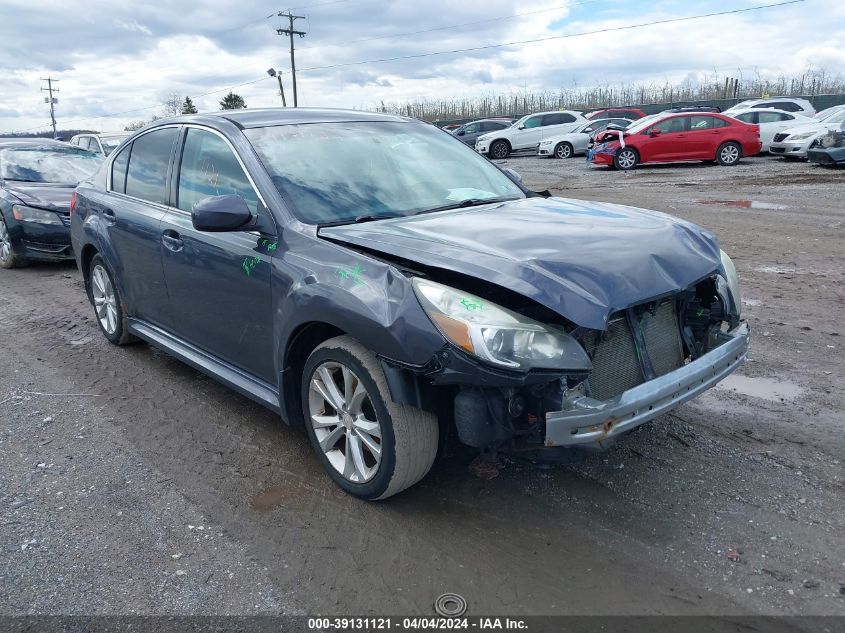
(675, 137)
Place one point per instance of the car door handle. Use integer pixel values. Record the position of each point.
(172, 241)
(108, 216)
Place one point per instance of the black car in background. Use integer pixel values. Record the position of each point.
(469, 132)
(37, 178)
(384, 284)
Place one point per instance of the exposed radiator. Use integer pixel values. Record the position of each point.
(616, 367)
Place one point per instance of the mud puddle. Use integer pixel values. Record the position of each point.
(763, 388)
(745, 204)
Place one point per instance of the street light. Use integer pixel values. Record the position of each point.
(272, 72)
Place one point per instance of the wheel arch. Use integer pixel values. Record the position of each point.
(89, 251)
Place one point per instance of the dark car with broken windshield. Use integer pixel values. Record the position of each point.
(372, 278)
(37, 178)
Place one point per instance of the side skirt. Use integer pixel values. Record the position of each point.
(244, 383)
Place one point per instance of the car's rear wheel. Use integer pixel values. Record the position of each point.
(626, 158)
(370, 446)
(107, 303)
(500, 150)
(8, 257)
(728, 154)
(563, 150)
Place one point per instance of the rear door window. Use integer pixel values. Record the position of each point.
(209, 168)
(702, 123)
(146, 177)
(748, 117)
(118, 170)
(771, 117)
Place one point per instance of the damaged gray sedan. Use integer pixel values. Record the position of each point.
(377, 281)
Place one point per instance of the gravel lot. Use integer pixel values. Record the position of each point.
(152, 489)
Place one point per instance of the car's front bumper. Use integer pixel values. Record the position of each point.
(791, 149)
(49, 242)
(482, 148)
(585, 421)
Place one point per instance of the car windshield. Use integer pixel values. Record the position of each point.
(643, 123)
(337, 172)
(110, 143)
(66, 165)
(824, 115)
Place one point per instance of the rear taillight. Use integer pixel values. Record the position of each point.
(73, 202)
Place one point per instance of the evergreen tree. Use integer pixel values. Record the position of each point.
(232, 102)
(188, 106)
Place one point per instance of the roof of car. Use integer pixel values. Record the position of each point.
(262, 117)
(30, 142)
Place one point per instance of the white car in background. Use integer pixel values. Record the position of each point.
(770, 121)
(576, 142)
(795, 141)
(527, 132)
(787, 104)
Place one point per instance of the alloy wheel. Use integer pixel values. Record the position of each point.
(627, 159)
(105, 301)
(499, 150)
(563, 151)
(5, 243)
(730, 154)
(344, 421)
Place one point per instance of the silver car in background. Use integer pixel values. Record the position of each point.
(576, 142)
(102, 144)
(795, 141)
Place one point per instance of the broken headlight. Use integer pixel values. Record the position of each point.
(496, 334)
(733, 281)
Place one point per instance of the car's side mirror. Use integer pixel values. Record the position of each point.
(461, 132)
(513, 175)
(221, 213)
(521, 127)
(655, 132)
(588, 130)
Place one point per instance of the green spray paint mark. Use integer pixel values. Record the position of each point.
(270, 246)
(249, 263)
(354, 274)
(472, 306)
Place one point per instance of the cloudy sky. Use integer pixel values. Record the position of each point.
(118, 60)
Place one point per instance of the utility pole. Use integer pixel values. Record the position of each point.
(52, 101)
(290, 32)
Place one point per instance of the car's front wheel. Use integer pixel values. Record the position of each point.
(8, 257)
(500, 150)
(728, 154)
(626, 158)
(563, 150)
(370, 446)
(107, 304)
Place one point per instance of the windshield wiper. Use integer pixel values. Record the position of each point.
(469, 202)
(360, 219)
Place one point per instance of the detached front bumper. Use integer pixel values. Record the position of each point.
(587, 421)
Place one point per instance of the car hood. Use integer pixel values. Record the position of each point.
(809, 127)
(43, 196)
(584, 260)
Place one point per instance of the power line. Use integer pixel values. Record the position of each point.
(463, 50)
(451, 26)
(555, 37)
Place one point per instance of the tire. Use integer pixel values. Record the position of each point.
(8, 257)
(409, 436)
(499, 150)
(626, 159)
(107, 302)
(563, 150)
(729, 154)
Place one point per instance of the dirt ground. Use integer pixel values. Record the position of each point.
(130, 483)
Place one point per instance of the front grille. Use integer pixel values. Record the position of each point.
(780, 137)
(616, 367)
(777, 150)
